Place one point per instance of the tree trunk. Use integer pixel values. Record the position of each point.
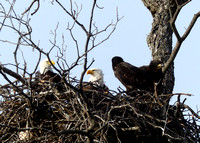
(160, 38)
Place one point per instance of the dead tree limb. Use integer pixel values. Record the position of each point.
(179, 38)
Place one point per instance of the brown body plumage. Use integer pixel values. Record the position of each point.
(154, 69)
(134, 78)
(48, 76)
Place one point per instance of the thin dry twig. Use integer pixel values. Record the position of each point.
(29, 8)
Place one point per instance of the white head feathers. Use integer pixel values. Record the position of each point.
(96, 76)
(45, 66)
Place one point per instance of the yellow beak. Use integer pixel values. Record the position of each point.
(52, 62)
(159, 66)
(90, 72)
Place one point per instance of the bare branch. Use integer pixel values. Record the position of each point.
(193, 113)
(180, 39)
(2, 70)
(188, 30)
(29, 8)
(13, 74)
(73, 17)
(6, 15)
(89, 34)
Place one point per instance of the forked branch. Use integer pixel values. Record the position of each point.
(180, 39)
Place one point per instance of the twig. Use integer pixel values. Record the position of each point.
(190, 109)
(38, 6)
(16, 88)
(73, 17)
(13, 74)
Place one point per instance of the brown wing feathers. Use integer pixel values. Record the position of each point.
(134, 78)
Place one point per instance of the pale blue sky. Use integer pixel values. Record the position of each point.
(128, 40)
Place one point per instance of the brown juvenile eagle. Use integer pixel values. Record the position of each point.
(155, 70)
(134, 78)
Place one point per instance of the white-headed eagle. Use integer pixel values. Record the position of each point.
(96, 76)
(46, 72)
(96, 81)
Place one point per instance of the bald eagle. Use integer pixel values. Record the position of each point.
(155, 70)
(96, 81)
(96, 76)
(46, 80)
(46, 72)
(134, 78)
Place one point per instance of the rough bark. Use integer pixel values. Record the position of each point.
(160, 38)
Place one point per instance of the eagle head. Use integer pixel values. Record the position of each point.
(45, 65)
(156, 65)
(115, 61)
(96, 76)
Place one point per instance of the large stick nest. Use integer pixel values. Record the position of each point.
(70, 115)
